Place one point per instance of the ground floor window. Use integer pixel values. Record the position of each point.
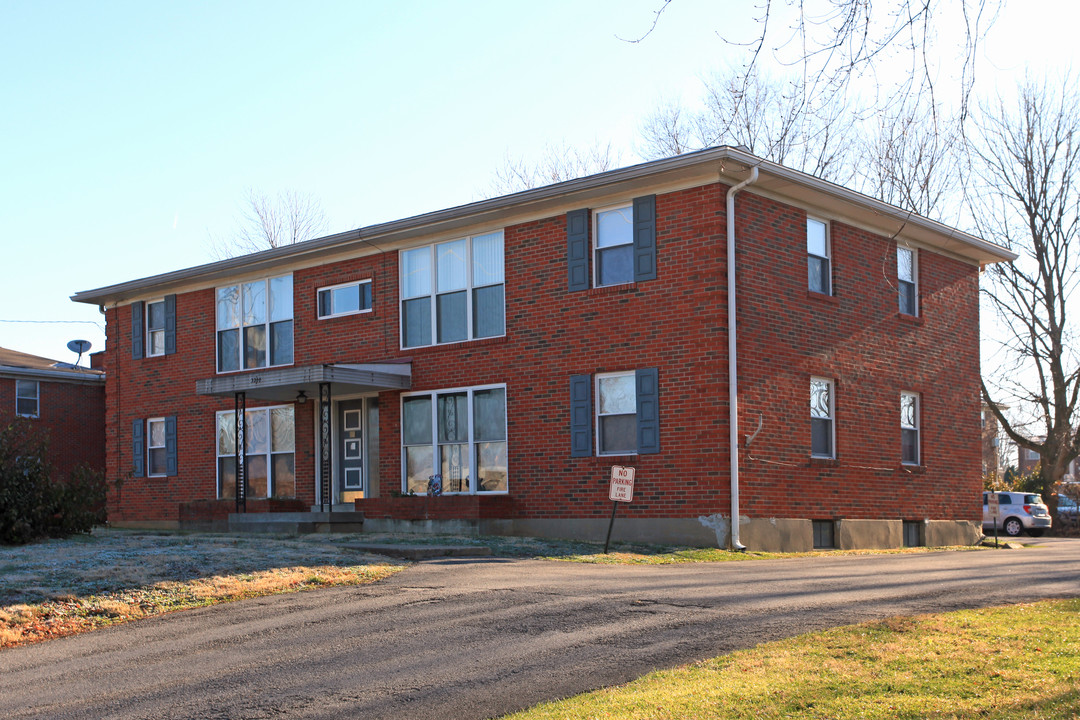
(455, 439)
(269, 452)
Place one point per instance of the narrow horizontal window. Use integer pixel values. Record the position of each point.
(347, 299)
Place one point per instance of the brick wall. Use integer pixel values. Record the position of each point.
(676, 324)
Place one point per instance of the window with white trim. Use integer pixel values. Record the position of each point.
(818, 256)
(27, 402)
(909, 428)
(453, 291)
(269, 452)
(613, 261)
(906, 276)
(345, 299)
(616, 414)
(255, 324)
(459, 435)
(155, 328)
(822, 427)
(155, 447)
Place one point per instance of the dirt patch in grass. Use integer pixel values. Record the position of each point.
(61, 587)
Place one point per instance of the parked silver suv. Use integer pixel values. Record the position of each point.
(1017, 512)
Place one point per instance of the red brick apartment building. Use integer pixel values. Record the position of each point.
(65, 402)
(515, 349)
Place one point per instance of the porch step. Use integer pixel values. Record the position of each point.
(420, 552)
(297, 522)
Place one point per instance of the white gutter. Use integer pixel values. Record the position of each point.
(733, 370)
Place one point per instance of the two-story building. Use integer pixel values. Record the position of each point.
(512, 350)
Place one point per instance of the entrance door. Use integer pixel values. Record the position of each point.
(350, 475)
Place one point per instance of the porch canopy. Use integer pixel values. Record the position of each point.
(286, 384)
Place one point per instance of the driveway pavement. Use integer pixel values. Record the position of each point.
(476, 638)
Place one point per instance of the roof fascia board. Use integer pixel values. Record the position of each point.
(72, 376)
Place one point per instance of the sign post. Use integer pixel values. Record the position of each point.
(621, 490)
(994, 506)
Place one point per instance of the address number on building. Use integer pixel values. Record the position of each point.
(622, 484)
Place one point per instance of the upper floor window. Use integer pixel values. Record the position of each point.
(817, 249)
(822, 430)
(453, 291)
(459, 435)
(255, 324)
(614, 256)
(155, 328)
(905, 274)
(26, 398)
(345, 299)
(909, 428)
(623, 247)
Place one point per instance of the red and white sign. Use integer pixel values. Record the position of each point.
(622, 484)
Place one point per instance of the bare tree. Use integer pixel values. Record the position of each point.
(771, 117)
(270, 222)
(912, 159)
(1027, 161)
(836, 43)
(557, 163)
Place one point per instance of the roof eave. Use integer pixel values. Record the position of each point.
(719, 163)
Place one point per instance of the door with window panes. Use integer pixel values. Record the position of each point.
(351, 451)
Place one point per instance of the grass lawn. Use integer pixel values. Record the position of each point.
(996, 664)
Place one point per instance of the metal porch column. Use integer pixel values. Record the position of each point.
(241, 437)
(324, 446)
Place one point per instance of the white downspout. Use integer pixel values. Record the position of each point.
(733, 370)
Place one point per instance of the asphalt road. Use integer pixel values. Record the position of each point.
(458, 639)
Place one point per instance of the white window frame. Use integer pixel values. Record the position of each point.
(331, 288)
(914, 281)
(831, 417)
(827, 257)
(472, 441)
(151, 332)
(266, 411)
(597, 430)
(24, 397)
(240, 327)
(150, 448)
(915, 427)
(596, 249)
(472, 284)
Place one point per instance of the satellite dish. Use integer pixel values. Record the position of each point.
(78, 346)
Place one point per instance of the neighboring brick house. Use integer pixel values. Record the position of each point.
(519, 347)
(66, 402)
(1028, 461)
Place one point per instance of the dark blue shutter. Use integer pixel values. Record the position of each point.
(170, 325)
(138, 448)
(645, 238)
(648, 411)
(577, 249)
(580, 415)
(137, 330)
(170, 446)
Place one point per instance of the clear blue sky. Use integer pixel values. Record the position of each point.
(131, 131)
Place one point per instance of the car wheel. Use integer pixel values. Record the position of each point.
(1035, 532)
(1012, 527)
